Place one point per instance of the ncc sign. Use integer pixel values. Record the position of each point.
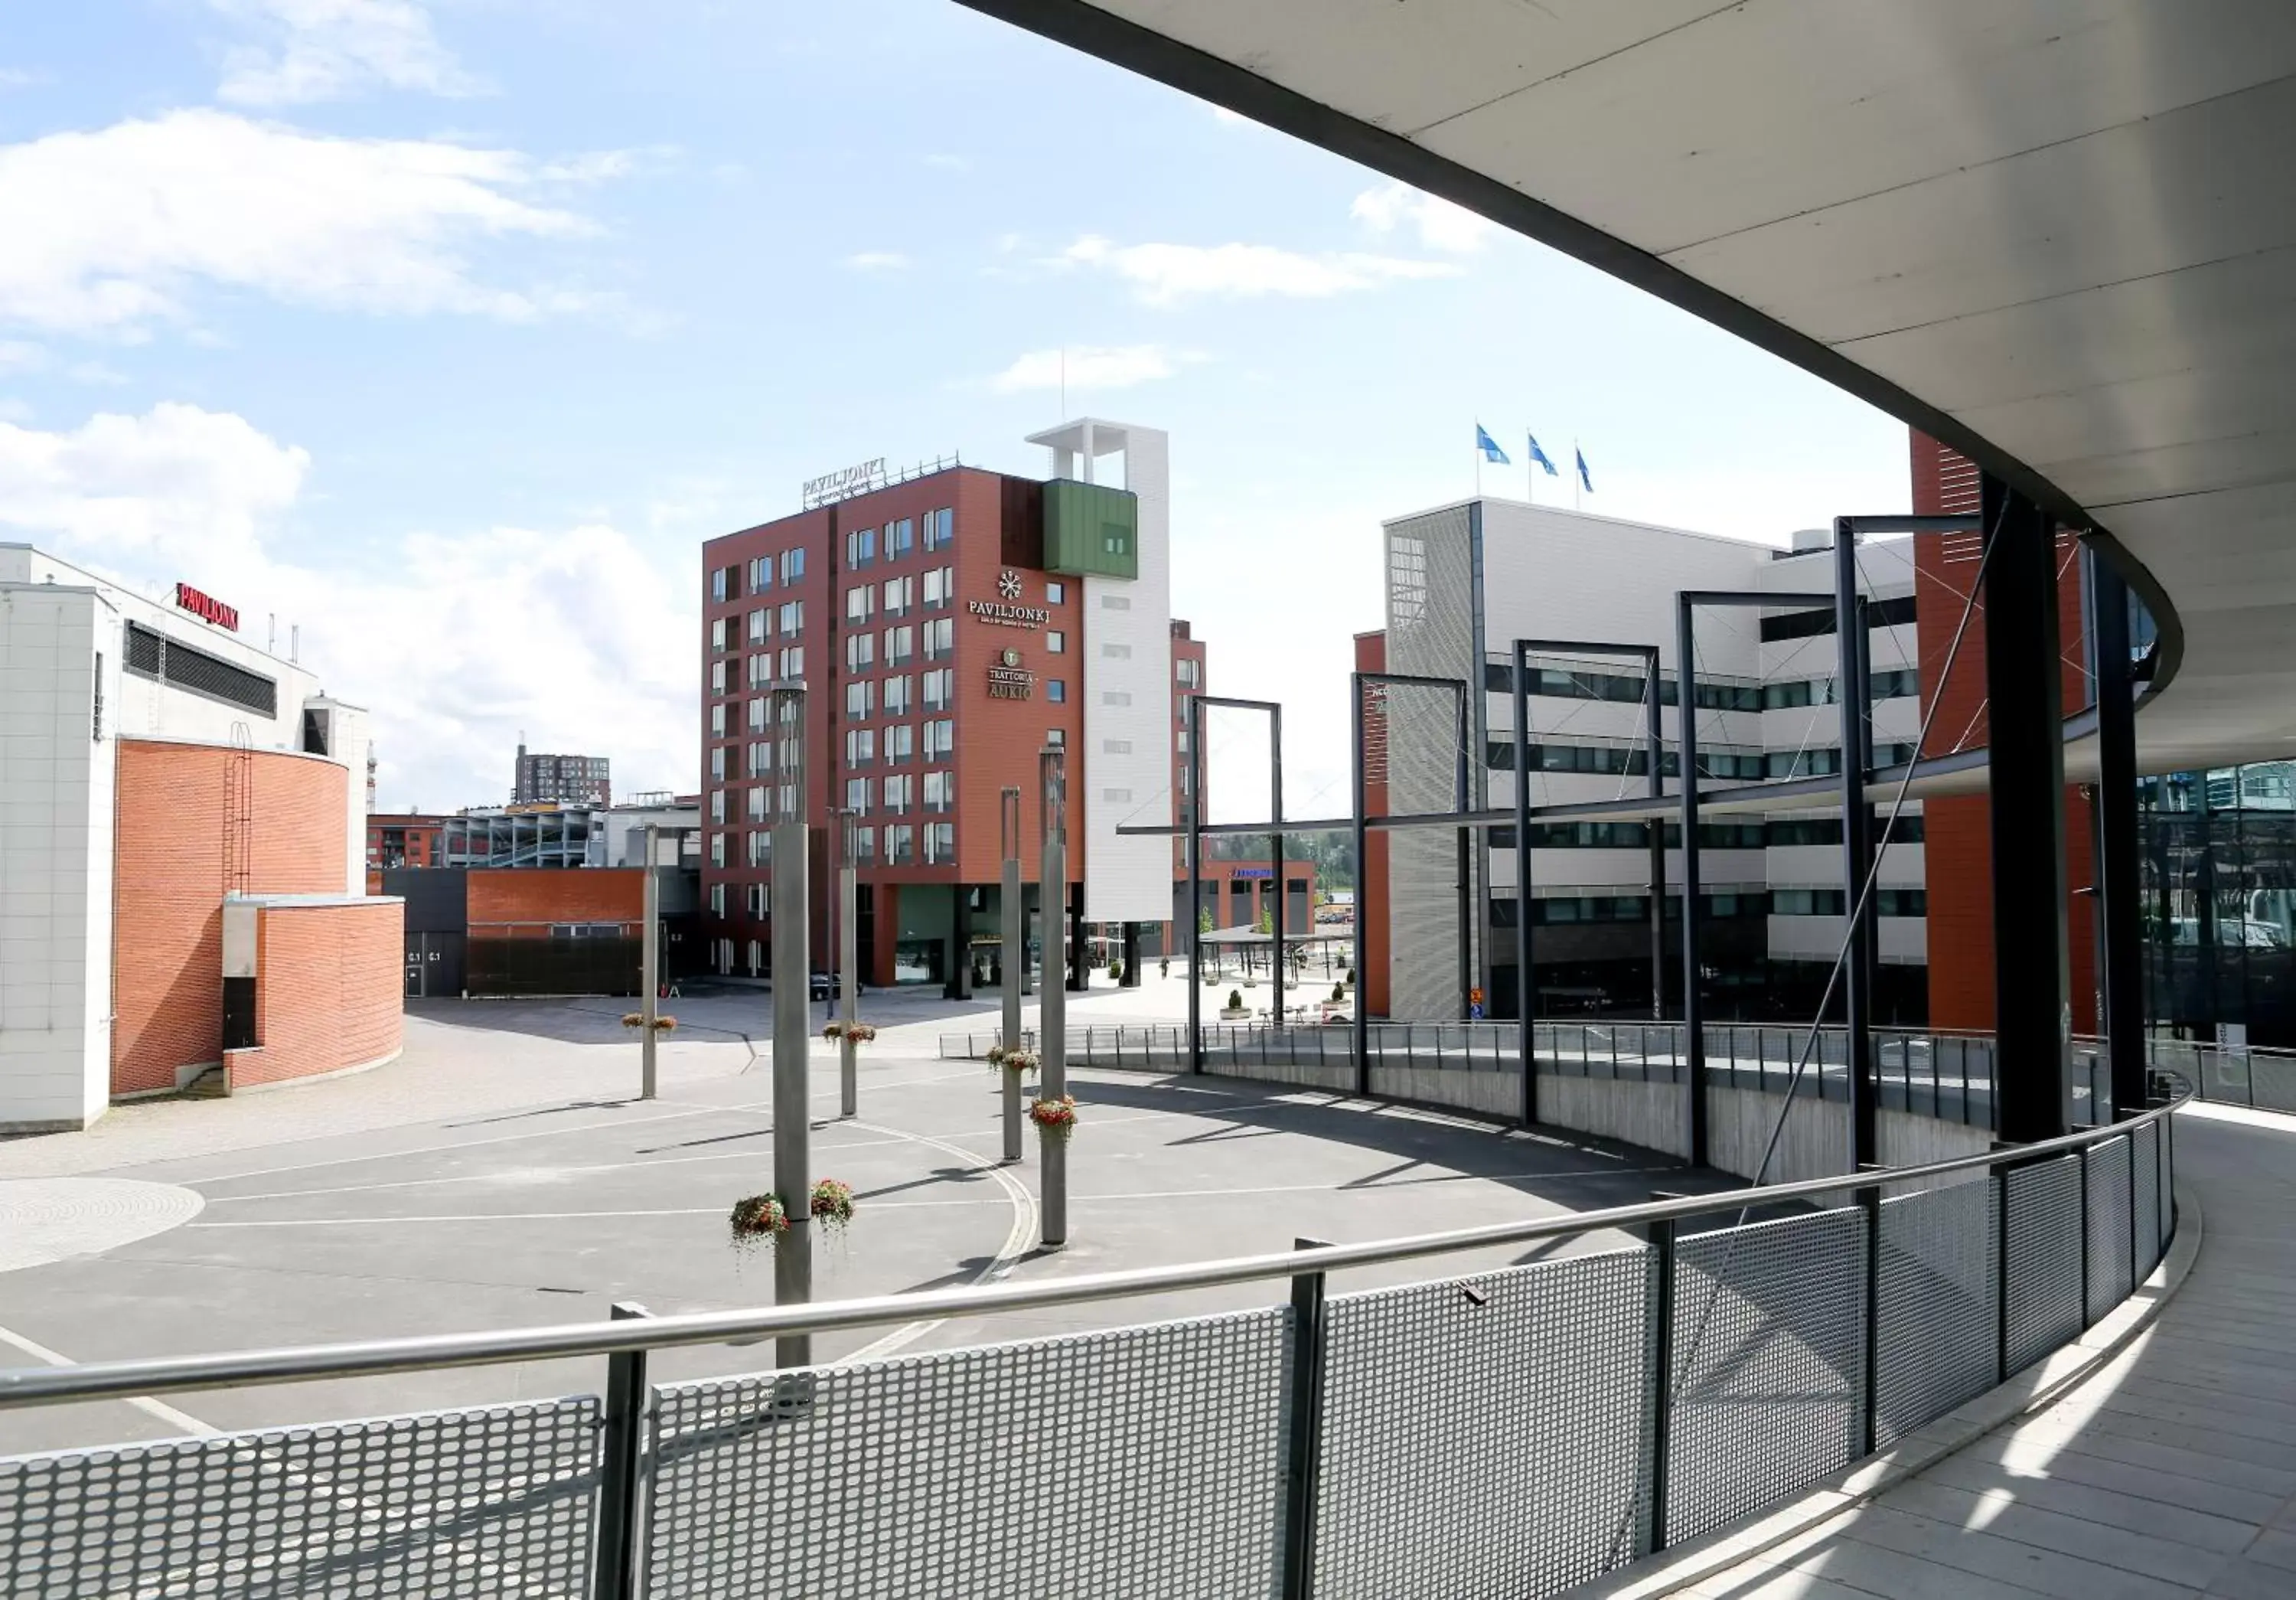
(858, 478)
(206, 608)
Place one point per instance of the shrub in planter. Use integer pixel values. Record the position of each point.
(757, 1219)
(1339, 993)
(1057, 1118)
(1015, 1061)
(833, 1203)
(1235, 999)
(1116, 970)
(860, 1033)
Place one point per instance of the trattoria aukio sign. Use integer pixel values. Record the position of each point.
(1007, 678)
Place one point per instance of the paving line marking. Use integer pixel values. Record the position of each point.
(151, 1408)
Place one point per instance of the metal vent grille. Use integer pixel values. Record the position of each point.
(476, 1503)
(1936, 1343)
(2041, 1242)
(2146, 1143)
(1142, 1461)
(154, 655)
(1768, 1365)
(2109, 1251)
(1483, 1449)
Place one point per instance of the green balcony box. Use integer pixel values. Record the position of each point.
(1091, 529)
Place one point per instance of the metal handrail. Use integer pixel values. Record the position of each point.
(176, 1374)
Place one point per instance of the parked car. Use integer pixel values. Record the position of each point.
(822, 986)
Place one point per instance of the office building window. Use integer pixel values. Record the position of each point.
(717, 719)
(1057, 689)
(787, 798)
(899, 848)
(717, 855)
(865, 845)
(900, 594)
(940, 791)
(860, 746)
(761, 572)
(860, 652)
(1055, 641)
(717, 631)
(724, 582)
(897, 696)
(793, 565)
(761, 626)
(897, 746)
(940, 638)
(756, 802)
(758, 899)
(717, 678)
(1185, 672)
(858, 600)
(792, 619)
(940, 739)
(1056, 594)
(856, 794)
(860, 546)
(940, 528)
(718, 762)
(716, 801)
(761, 854)
(900, 644)
(718, 899)
(900, 538)
(859, 693)
(896, 792)
(940, 689)
(793, 663)
(1056, 736)
(940, 842)
(758, 758)
(757, 714)
(941, 587)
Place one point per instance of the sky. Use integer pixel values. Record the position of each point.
(445, 333)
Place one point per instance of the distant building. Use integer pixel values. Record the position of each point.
(403, 839)
(566, 780)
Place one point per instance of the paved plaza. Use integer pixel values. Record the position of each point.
(503, 1173)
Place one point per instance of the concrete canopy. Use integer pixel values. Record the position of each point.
(2059, 235)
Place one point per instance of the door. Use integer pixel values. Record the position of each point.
(414, 966)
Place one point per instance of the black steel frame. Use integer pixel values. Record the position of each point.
(1195, 835)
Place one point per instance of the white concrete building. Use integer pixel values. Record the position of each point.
(1466, 580)
(86, 664)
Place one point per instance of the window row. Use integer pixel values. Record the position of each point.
(1626, 760)
(899, 537)
(938, 635)
(1711, 835)
(898, 795)
(765, 669)
(756, 575)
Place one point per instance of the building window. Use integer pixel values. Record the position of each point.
(897, 696)
(1057, 689)
(1117, 652)
(760, 900)
(940, 791)
(865, 844)
(898, 850)
(940, 739)
(940, 842)
(97, 720)
(940, 689)
(1116, 603)
(900, 593)
(793, 565)
(718, 763)
(860, 546)
(718, 899)
(1116, 697)
(757, 713)
(793, 663)
(718, 633)
(900, 644)
(1121, 747)
(761, 572)
(756, 806)
(940, 638)
(858, 600)
(1056, 736)
(717, 678)
(856, 794)
(900, 538)
(761, 854)
(940, 528)
(859, 693)
(860, 746)
(718, 588)
(717, 853)
(898, 745)
(792, 619)
(718, 718)
(761, 626)
(937, 588)
(1186, 673)
(1056, 594)
(1055, 641)
(897, 792)
(860, 652)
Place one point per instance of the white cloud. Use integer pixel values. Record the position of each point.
(948, 162)
(1091, 367)
(439, 637)
(132, 214)
(877, 260)
(1439, 223)
(324, 49)
(1165, 274)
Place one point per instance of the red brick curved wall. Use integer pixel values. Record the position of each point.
(171, 872)
(328, 987)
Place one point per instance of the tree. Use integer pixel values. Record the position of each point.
(1204, 920)
(1267, 923)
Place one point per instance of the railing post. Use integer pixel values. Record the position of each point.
(2083, 1153)
(1999, 1180)
(1304, 1433)
(621, 1474)
(1869, 1202)
(1658, 1345)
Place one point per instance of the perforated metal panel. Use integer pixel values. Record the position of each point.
(2168, 1126)
(1140, 1461)
(2041, 1244)
(479, 1503)
(2145, 1142)
(1483, 1450)
(1768, 1364)
(1938, 1341)
(2272, 1082)
(2110, 1253)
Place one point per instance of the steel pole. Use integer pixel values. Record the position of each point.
(1654, 759)
(1462, 798)
(1016, 958)
(1526, 975)
(792, 913)
(1053, 1009)
(849, 970)
(1276, 846)
(649, 970)
(2121, 955)
(1361, 1029)
(1693, 1010)
(1196, 883)
(1856, 847)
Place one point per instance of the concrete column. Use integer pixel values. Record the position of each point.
(1053, 1012)
(1009, 908)
(792, 913)
(649, 970)
(848, 968)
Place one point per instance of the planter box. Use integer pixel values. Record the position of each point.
(1241, 1014)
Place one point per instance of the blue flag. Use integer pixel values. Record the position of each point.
(1489, 446)
(1583, 476)
(1540, 456)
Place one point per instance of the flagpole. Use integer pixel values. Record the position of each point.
(1529, 474)
(1575, 459)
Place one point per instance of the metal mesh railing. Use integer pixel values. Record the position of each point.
(1514, 1432)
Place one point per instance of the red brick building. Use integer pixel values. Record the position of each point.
(403, 839)
(1958, 859)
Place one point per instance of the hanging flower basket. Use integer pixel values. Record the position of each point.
(636, 1019)
(1015, 1061)
(758, 1219)
(860, 1033)
(832, 1202)
(1057, 1118)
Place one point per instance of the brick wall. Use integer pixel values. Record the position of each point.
(196, 821)
(511, 902)
(328, 990)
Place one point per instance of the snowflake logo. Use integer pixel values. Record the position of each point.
(1008, 584)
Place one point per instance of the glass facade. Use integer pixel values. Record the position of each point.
(2218, 878)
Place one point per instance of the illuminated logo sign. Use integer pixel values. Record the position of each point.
(858, 478)
(1002, 611)
(206, 608)
(1007, 680)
